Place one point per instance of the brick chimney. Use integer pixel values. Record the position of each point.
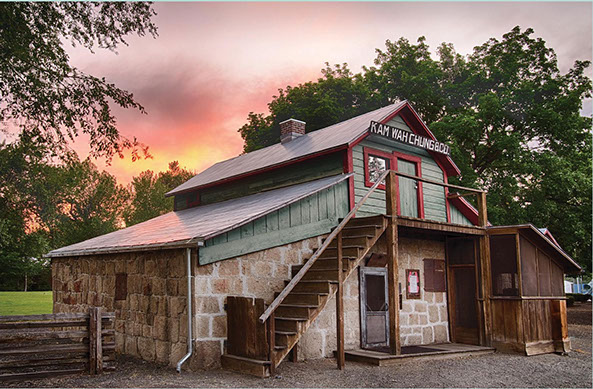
(291, 129)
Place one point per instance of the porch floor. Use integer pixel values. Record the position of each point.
(432, 351)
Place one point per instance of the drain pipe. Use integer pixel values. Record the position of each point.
(190, 343)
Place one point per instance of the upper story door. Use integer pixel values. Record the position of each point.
(410, 191)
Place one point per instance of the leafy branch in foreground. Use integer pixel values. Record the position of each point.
(43, 95)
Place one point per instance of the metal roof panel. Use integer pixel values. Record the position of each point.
(314, 142)
(185, 228)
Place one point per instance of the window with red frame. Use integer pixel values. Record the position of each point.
(375, 163)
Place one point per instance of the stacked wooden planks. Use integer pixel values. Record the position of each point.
(36, 346)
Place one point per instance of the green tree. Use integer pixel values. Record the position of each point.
(148, 190)
(46, 205)
(511, 117)
(42, 94)
(338, 95)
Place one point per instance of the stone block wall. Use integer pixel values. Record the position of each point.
(424, 320)
(151, 323)
(259, 274)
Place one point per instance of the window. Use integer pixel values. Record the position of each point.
(434, 275)
(503, 260)
(121, 286)
(376, 162)
(377, 165)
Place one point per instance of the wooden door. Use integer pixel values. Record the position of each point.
(408, 189)
(462, 290)
(374, 307)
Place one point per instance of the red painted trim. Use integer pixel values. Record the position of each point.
(420, 191)
(466, 209)
(263, 170)
(419, 127)
(378, 153)
(447, 205)
(349, 168)
(358, 140)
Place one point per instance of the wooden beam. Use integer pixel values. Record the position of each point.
(482, 210)
(433, 182)
(458, 195)
(341, 357)
(392, 262)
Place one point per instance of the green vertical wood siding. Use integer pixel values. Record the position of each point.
(458, 218)
(324, 166)
(434, 195)
(312, 216)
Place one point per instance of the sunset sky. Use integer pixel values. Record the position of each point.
(213, 63)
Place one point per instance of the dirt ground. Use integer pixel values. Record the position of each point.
(495, 370)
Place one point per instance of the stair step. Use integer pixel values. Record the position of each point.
(281, 338)
(290, 333)
(347, 251)
(315, 274)
(312, 286)
(244, 365)
(303, 298)
(361, 230)
(353, 241)
(362, 221)
(321, 267)
(288, 324)
(295, 311)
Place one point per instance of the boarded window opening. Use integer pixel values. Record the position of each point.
(434, 275)
(121, 286)
(503, 259)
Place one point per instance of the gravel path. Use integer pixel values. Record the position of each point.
(495, 370)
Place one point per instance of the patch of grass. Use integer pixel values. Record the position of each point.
(25, 303)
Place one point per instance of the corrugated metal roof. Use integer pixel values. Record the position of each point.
(187, 227)
(327, 138)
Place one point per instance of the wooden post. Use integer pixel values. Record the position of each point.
(482, 210)
(294, 354)
(484, 242)
(95, 346)
(340, 358)
(392, 262)
(272, 342)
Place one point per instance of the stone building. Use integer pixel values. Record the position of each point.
(255, 226)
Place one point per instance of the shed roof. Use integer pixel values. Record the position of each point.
(328, 138)
(187, 227)
(538, 237)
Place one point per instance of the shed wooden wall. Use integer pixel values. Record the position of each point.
(312, 216)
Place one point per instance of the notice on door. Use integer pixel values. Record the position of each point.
(413, 281)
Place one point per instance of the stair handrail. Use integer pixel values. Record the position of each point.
(307, 265)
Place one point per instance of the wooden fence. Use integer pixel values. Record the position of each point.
(36, 346)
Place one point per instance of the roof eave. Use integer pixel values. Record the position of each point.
(259, 171)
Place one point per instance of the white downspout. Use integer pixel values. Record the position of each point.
(190, 343)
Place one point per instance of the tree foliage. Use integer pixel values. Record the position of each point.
(42, 94)
(46, 205)
(148, 193)
(511, 117)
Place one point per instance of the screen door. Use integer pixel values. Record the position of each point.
(374, 307)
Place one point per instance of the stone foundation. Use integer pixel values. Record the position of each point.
(151, 323)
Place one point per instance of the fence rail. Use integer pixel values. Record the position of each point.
(36, 346)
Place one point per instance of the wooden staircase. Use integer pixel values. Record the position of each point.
(305, 296)
(310, 295)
